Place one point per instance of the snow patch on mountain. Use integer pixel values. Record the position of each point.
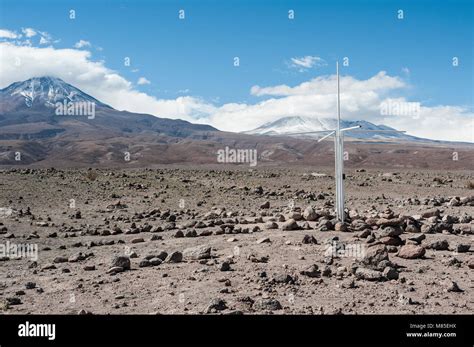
(47, 91)
(298, 124)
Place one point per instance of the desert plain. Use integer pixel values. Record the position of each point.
(236, 240)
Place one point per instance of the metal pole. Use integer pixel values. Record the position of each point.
(339, 159)
(338, 99)
(341, 176)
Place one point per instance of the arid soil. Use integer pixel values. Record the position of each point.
(121, 241)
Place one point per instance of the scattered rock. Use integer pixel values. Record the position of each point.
(369, 274)
(417, 238)
(225, 266)
(390, 231)
(442, 245)
(60, 260)
(309, 214)
(155, 261)
(271, 225)
(77, 257)
(462, 248)
(394, 222)
(309, 239)
(463, 228)
(156, 238)
(198, 252)
(115, 270)
(341, 226)
(283, 278)
(263, 240)
(255, 259)
(311, 271)
(30, 285)
(411, 252)
(175, 257)
(348, 284)
(451, 286)
(405, 300)
(13, 301)
(216, 305)
(390, 273)
(374, 256)
(326, 271)
(470, 263)
(431, 213)
(121, 261)
(391, 241)
(290, 224)
(144, 263)
(268, 304)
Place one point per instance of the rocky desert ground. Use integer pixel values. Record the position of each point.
(234, 240)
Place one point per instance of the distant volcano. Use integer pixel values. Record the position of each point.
(28, 111)
(297, 124)
(42, 92)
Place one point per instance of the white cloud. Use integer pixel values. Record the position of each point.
(143, 81)
(76, 67)
(454, 123)
(8, 34)
(326, 85)
(25, 38)
(45, 38)
(307, 62)
(82, 44)
(29, 32)
(360, 98)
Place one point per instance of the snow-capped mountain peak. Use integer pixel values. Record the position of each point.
(298, 124)
(295, 124)
(46, 91)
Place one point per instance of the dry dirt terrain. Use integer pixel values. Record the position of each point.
(233, 240)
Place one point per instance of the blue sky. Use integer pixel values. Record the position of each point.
(197, 53)
(195, 56)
